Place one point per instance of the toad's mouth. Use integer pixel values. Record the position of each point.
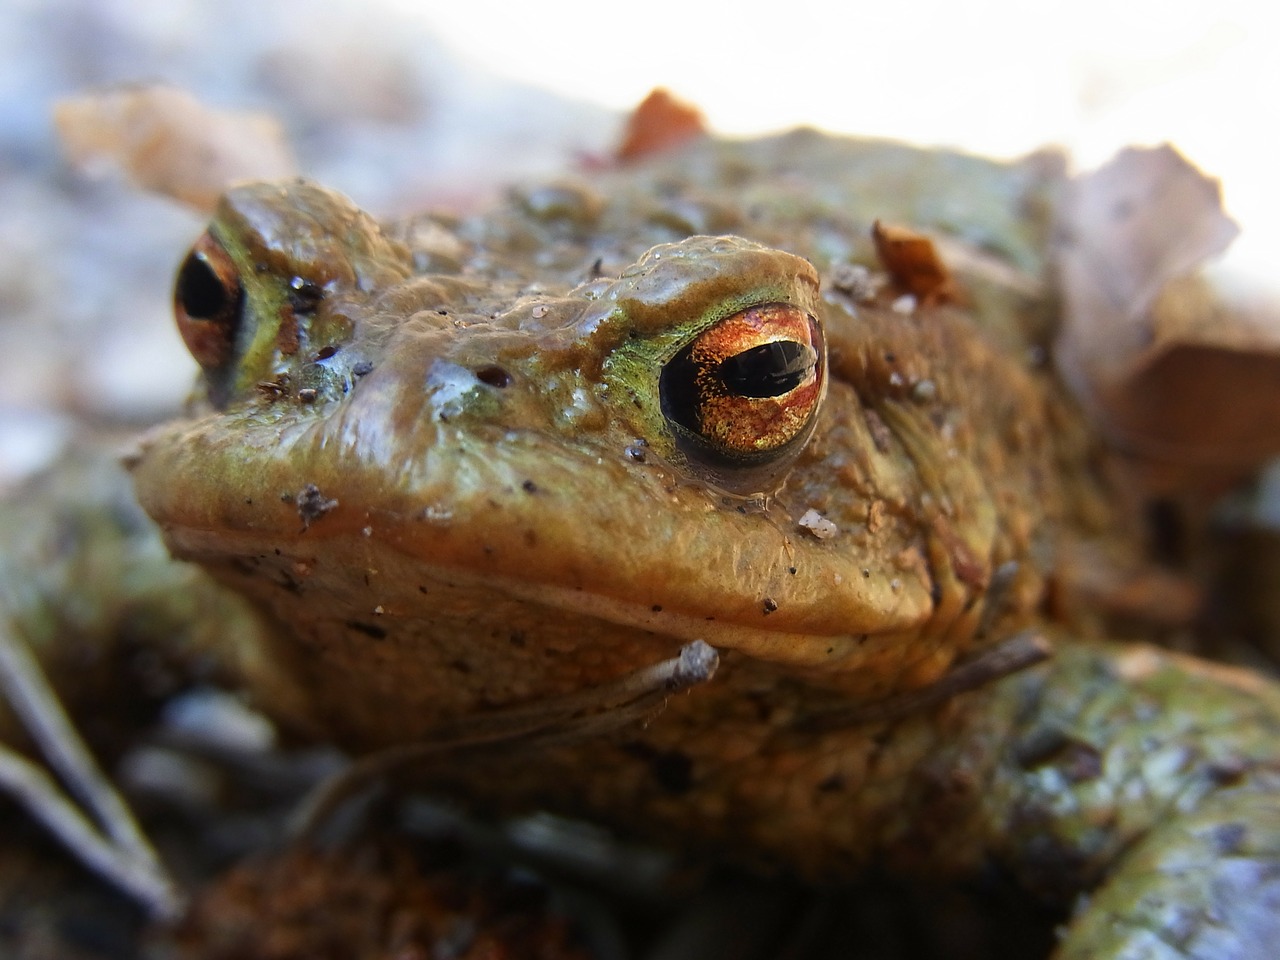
(361, 560)
(353, 594)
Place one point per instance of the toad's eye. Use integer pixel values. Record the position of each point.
(207, 302)
(745, 392)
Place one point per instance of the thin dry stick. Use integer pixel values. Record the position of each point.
(37, 706)
(1019, 652)
(32, 787)
(576, 716)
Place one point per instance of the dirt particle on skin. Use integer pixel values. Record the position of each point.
(287, 334)
(853, 280)
(817, 525)
(879, 430)
(769, 605)
(875, 515)
(312, 504)
(273, 389)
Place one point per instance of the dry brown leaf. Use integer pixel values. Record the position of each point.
(661, 122)
(1142, 220)
(913, 263)
(168, 142)
(1179, 373)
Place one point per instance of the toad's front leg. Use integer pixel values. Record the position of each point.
(1149, 780)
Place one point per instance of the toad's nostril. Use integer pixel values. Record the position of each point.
(494, 376)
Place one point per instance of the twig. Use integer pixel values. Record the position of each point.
(576, 716)
(1019, 652)
(126, 858)
(35, 790)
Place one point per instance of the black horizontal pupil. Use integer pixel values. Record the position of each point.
(200, 292)
(769, 370)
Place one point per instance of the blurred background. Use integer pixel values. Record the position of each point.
(412, 104)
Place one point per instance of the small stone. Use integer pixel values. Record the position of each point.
(818, 525)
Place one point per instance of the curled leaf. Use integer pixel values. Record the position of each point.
(913, 263)
(1178, 371)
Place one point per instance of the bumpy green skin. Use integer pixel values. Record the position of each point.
(495, 540)
(1203, 886)
(1154, 779)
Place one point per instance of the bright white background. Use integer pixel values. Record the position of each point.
(995, 76)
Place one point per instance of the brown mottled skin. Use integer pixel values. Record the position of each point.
(471, 394)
